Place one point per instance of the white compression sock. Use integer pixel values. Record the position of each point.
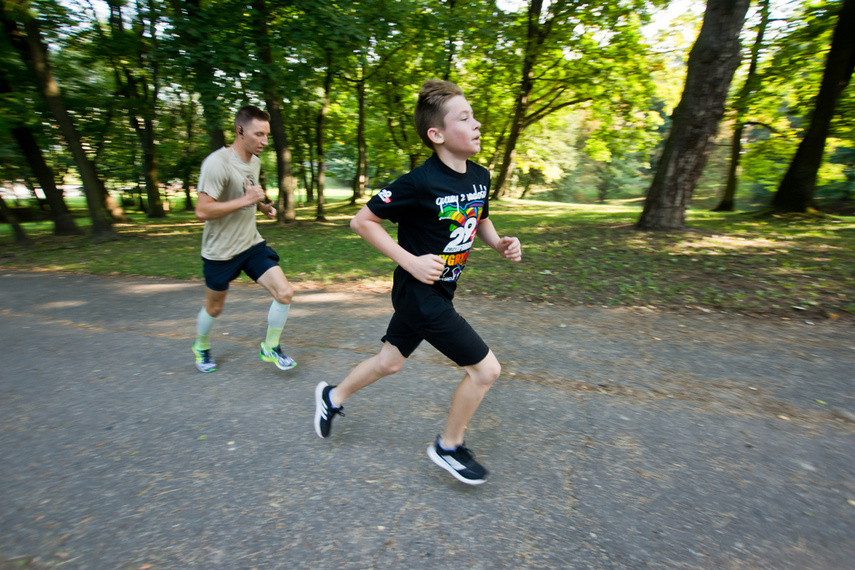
(276, 317)
(204, 325)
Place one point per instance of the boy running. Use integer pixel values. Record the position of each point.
(229, 196)
(439, 207)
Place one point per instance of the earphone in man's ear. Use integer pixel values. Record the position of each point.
(240, 130)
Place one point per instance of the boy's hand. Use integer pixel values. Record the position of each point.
(509, 248)
(427, 268)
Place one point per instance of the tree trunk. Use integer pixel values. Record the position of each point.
(212, 109)
(712, 63)
(28, 43)
(20, 235)
(360, 178)
(113, 207)
(64, 224)
(521, 103)
(285, 203)
(728, 199)
(308, 173)
(795, 193)
(152, 181)
(187, 168)
(321, 121)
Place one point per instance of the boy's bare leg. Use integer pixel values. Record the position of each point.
(388, 361)
(467, 398)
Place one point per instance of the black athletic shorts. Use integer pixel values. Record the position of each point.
(254, 262)
(422, 313)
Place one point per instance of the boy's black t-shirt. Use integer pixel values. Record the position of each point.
(437, 210)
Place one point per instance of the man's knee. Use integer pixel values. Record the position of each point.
(274, 280)
(214, 303)
(283, 293)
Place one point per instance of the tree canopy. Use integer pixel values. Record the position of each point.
(124, 98)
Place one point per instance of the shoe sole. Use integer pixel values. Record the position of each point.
(434, 456)
(319, 404)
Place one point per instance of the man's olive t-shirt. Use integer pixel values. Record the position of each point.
(223, 177)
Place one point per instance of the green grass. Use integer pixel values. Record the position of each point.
(572, 254)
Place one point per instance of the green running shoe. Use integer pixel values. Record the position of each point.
(277, 357)
(204, 361)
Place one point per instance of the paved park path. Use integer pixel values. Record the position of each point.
(615, 438)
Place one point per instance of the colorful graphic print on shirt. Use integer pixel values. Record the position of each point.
(464, 212)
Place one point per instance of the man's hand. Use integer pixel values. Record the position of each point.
(426, 268)
(510, 248)
(254, 193)
(270, 210)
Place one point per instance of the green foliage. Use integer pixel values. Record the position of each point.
(604, 85)
(794, 267)
(779, 111)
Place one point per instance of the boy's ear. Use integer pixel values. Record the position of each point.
(434, 135)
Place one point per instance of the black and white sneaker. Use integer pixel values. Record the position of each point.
(324, 411)
(460, 463)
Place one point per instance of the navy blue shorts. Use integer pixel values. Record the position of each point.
(422, 313)
(254, 262)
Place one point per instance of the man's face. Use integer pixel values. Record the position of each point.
(255, 136)
(461, 133)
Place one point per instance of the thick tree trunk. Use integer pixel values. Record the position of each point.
(64, 224)
(712, 63)
(28, 43)
(795, 193)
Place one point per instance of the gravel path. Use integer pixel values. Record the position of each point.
(615, 438)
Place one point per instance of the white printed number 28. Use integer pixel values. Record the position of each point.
(463, 234)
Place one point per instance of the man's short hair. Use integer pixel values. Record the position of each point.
(430, 110)
(249, 112)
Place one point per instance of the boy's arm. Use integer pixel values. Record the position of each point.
(508, 247)
(426, 268)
